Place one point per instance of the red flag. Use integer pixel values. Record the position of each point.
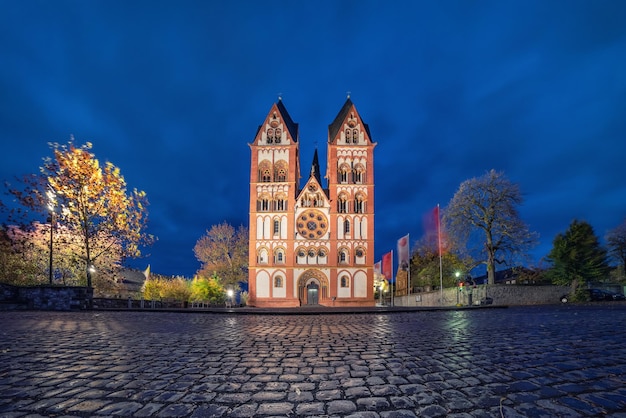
(435, 237)
(403, 252)
(387, 269)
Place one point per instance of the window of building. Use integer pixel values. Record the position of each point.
(276, 227)
(265, 172)
(358, 174)
(342, 203)
(279, 256)
(346, 226)
(278, 281)
(345, 281)
(280, 171)
(344, 172)
(359, 203)
(263, 204)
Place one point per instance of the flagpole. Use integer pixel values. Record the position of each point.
(408, 243)
(393, 282)
(440, 256)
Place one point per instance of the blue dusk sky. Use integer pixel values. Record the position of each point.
(172, 92)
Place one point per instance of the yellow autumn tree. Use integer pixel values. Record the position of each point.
(90, 199)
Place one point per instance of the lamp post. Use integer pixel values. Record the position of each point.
(51, 207)
(457, 274)
(230, 292)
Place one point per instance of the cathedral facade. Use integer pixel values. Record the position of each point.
(311, 243)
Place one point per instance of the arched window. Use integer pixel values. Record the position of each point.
(265, 171)
(355, 136)
(343, 256)
(262, 256)
(359, 203)
(344, 173)
(280, 171)
(358, 174)
(342, 203)
(345, 281)
(280, 202)
(348, 135)
(346, 226)
(278, 281)
(276, 226)
(301, 256)
(263, 203)
(279, 256)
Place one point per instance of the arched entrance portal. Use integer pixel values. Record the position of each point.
(313, 288)
(312, 294)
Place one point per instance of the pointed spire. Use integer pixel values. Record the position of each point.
(315, 168)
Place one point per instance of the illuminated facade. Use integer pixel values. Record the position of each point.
(311, 245)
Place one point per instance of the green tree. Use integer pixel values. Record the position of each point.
(426, 270)
(207, 289)
(483, 218)
(91, 201)
(224, 251)
(577, 257)
(616, 243)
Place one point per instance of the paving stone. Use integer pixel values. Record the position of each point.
(120, 409)
(341, 407)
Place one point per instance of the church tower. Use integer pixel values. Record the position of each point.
(311, 245)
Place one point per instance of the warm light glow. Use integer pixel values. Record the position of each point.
(229, 292)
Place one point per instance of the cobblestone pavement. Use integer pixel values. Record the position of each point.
(563, 361)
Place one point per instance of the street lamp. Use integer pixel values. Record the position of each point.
(229, 292)
(51, 207)
(457, 274)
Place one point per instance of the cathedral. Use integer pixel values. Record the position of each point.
(311, 242)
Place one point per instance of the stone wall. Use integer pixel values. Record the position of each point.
(502, 294)
(52, 298)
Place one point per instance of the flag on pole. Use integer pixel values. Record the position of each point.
(403, 252)
(434, 235)
(387, 266)
(377, 268)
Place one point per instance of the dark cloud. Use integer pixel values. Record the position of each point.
(172, 93)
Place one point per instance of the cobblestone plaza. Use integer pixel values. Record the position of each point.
(563, 361)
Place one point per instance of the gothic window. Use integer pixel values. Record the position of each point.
(265, 172)
(342, 203)
(345, 281)
(358, 174)
(278, 281)
(344, 173)
(343, 256)
(346, 226)
(348, 135)
(301, 256)
(359, 203)
(277, 135)
(263, 203)
(270, 136)
(280, 171)
(279, 256)
(262, 256)
(274, 135)
(321, 253)
(280, 202)
(355, 136)
(276, 227)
